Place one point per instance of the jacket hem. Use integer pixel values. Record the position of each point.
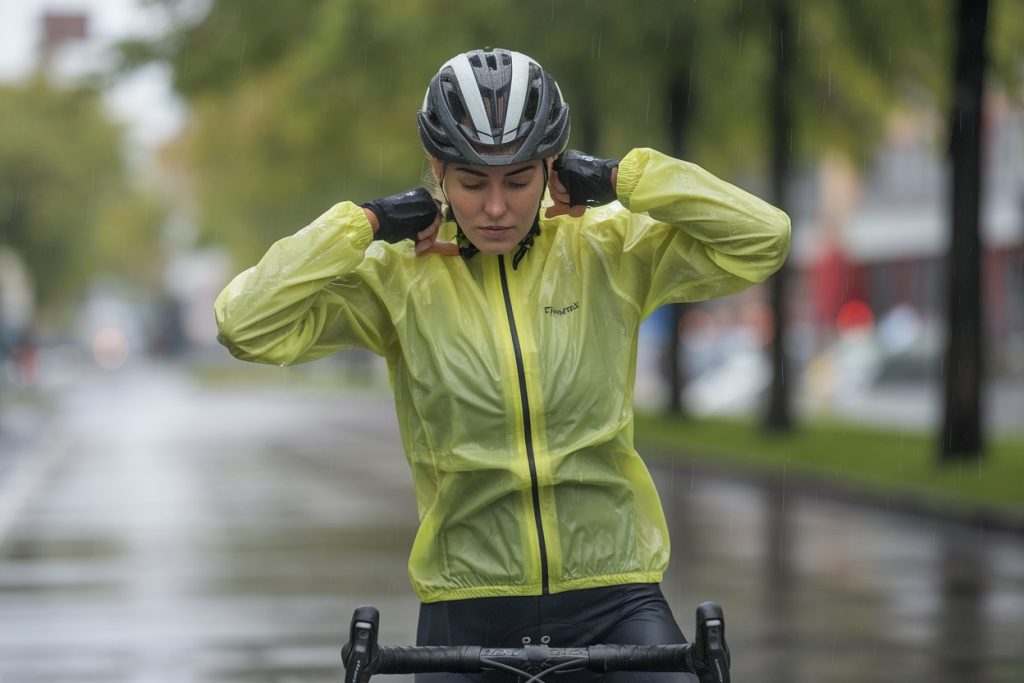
(557, 586)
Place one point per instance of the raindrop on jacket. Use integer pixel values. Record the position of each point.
(513, 388)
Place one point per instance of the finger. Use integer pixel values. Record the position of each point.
(559, 193)
(559, 198)
(430, 229)
(425, 235)
(443, 248)
(424, 244)
(555, 184)
(563, 209)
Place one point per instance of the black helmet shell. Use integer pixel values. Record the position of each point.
(493, 107)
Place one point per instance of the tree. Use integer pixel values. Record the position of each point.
(777, 416)
(328, 114)
(836, 71)
(961, 436)
(61, 167)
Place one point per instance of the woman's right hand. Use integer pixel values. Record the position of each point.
(402, 216)
(427, 242)
(411, 215)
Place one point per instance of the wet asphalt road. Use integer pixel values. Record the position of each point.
(179, 533)
(164, 530)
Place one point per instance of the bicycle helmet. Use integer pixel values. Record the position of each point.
(493, 107)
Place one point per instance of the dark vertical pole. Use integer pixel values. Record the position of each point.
(680, 113)
(777, 417)
(961, 435)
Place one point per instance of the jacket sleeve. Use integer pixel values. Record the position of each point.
(687, 235)
(307, 297)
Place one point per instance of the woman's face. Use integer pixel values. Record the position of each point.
(494, 205)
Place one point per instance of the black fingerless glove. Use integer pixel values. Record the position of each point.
(401, 216)
(587, 179)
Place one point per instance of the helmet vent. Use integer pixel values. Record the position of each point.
(530, 109)
(455, 105)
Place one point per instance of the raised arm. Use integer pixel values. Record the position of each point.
(686, 235)
(306, 297)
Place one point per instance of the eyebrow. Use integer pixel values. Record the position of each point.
(481, 174)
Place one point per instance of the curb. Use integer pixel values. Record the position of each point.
(928, 507)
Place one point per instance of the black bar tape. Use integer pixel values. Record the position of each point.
(426, 659)
(587, 179)
(640, 658)
(403, 215)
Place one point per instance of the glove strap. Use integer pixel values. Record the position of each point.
(401, 216)
(588, 179)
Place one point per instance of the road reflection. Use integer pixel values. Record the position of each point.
(187, 532)
(820, 590)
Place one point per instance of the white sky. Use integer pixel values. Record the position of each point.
(143, 101)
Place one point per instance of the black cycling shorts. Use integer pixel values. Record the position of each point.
(634, 614)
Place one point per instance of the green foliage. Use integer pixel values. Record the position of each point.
(1006, 38)
(60, 166)
(333, 120)
(296, 110)
(233, 41)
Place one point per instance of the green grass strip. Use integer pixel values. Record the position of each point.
(878, 460)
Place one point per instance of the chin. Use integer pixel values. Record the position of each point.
(495, 249)
(493, 246)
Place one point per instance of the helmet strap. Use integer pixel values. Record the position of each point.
(466, 248)
(527, 241)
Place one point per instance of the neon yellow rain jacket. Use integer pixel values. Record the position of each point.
(514, 387)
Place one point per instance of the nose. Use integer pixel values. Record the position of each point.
(494, 203)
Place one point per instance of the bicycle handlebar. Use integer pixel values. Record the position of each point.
(473, 659)
(707, 656)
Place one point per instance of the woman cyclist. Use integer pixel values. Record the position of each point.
(510, 335)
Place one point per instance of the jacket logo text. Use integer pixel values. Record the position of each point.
(551, 310)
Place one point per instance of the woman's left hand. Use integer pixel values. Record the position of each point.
(578, 181)
(560, 195)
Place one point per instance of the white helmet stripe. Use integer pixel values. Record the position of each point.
(517, 96)
(471, 91)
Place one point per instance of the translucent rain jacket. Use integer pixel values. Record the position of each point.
(514, 387)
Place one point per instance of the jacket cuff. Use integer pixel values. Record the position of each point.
(355, 222)
(630, 170)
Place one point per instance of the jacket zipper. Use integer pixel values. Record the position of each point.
(527, 426)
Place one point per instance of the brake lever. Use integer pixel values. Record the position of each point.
(361, 647)
(711, 652)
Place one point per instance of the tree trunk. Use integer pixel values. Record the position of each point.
(679, 116)
(777, 416)
(961, 430)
